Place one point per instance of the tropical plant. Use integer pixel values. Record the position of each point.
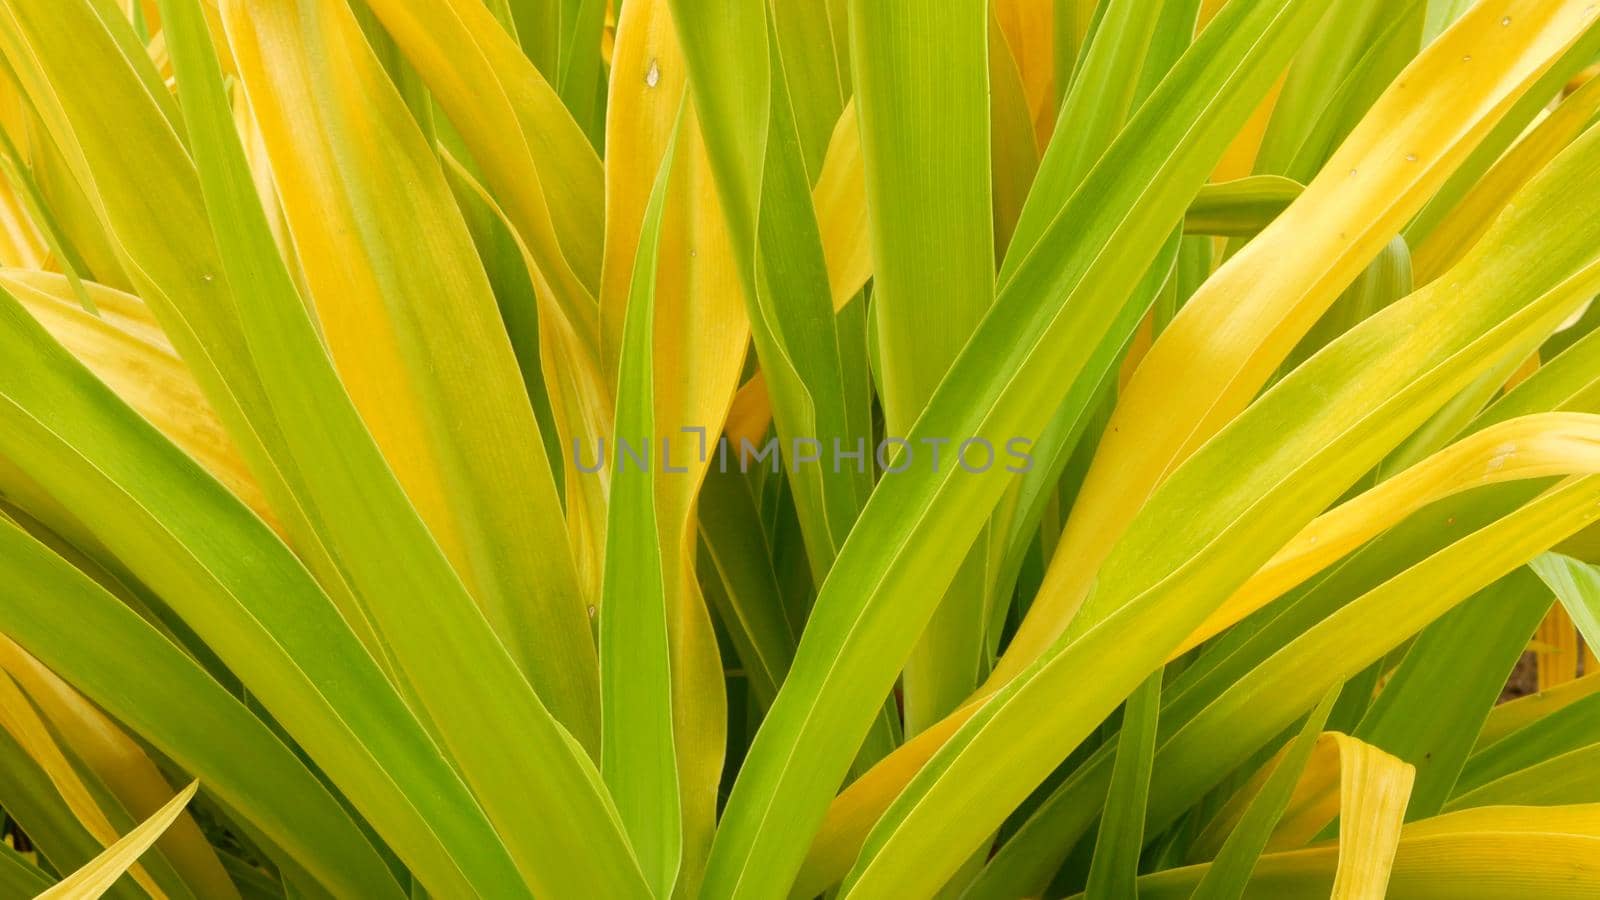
(763, 448)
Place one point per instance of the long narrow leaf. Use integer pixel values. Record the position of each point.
(637, 758)
(96, 876)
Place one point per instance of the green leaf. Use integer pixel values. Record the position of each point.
(580, 71)
(739, 579)
(1566, 730)
(921, 75)
(1080, 419)
(816, 72)
(548, 173)
(1122, 831)
(1433, 706)
(1355, 636)
(1485, 853)
(1025, 863)
(514, 292)
(539, 164)
(1229, 873)
(1068, 437)
(1256, 708)
(1313, 80)
(1092, 114)
(637, 759)
(1441, 14)
(1243, 323)
(922, 100)
(1570, 777)
(1384, 280)
(18, 876)
(1387, 52)
(1241, 207)
(1577, 585)
(90, 102)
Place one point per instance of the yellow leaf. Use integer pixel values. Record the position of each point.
(1374, 788)
(648, 77)
(1465, 224)
(1486, 854)
(751, 413)
(1364, 787)
(853, 813)
(99, 874)
(1014, 153)
(124, 347)
(21, 244)
(1558, 653)
(841, 200)
(1029, 29)
(1533, 446)
(701, 335)
(1528, 369)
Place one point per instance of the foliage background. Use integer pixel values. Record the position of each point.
(309, 310)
